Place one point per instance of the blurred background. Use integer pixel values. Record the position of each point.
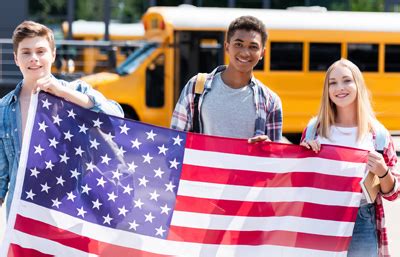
(141, 55)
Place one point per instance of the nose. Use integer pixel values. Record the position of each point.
(34, 57)
(245, 52)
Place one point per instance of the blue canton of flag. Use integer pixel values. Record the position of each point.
(102, 169)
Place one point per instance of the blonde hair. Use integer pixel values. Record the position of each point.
(328, 112)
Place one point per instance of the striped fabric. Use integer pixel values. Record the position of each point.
(229, 198)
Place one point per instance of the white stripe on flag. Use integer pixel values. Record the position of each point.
(160, 246)
(269, 194)
(276, 165)
(285, 223)
(46, 246)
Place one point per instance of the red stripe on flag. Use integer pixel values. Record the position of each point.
(266, 209)
(73, 240)
(280, 238)
(18, 251)
(268, 179)
(272, 149)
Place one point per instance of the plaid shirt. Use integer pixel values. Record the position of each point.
(390, 157)
(267, 103)
(389, 154)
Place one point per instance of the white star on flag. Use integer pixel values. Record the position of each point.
(45, 187)
(124, 129)
(136, 144)
(34, 172)
(57, 120)
(94, 143)
(71, 196)
(68, 135)
(151, 135)
(64, 158)
(174, 164)
(46, 104)
(30, 195)
(96, 204)
(107, 219)
(81, 212)
(56, 203)
(38, 149)
(83, 128)
(105, 159)
(163, 150)
(42, 126)
(147, 158)
(127, 189)
(71, 113)
(177, 140)
(97, 123)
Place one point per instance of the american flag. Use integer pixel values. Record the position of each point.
(96, 185)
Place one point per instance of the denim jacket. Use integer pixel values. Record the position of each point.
(10, 130)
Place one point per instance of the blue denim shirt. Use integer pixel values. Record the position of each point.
(10, 130)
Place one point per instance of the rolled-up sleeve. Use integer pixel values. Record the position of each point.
(100, 103)
(390, 156)
(4, 172)
(183, 112)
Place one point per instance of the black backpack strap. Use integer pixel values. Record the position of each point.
(198, 90)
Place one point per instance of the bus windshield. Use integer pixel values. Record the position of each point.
(136, 58)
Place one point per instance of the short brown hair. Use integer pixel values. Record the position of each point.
(30, 29)
(248, 23)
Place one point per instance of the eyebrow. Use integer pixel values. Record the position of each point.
(342, 77)
(27, 48)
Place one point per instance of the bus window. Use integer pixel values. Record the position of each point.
(322, 55)
(286, 56)
(260, 65)
(365, 56)
(155, 82)
(392, 57)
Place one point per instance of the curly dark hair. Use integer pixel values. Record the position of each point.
(248, 23)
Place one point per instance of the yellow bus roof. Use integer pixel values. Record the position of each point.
(82, 28)
(187, 17)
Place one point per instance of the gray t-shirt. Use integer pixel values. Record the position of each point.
(227, 111)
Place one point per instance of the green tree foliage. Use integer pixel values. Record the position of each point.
(47, 11)
(90, 10)
(55, 11)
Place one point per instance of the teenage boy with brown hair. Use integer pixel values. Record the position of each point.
(34, 53)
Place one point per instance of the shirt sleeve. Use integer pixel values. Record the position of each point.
(390, 156)
(184, 108)
(273, 124)
(4, 176)
(100, 103)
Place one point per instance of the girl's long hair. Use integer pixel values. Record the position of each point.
(328, 112)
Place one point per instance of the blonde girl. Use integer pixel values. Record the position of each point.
(346, 118)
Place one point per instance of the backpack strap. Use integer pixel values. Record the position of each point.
(311, 129)
(198, 91)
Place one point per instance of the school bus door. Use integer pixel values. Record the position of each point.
(196, 51)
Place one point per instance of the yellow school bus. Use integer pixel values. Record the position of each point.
(185, 40)
(89, 51)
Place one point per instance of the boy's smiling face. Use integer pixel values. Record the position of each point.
(245, 49)
(34, 57)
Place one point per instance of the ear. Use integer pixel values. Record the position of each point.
(226, 46)
(15, 59)
(54, 55)
(262, 54)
